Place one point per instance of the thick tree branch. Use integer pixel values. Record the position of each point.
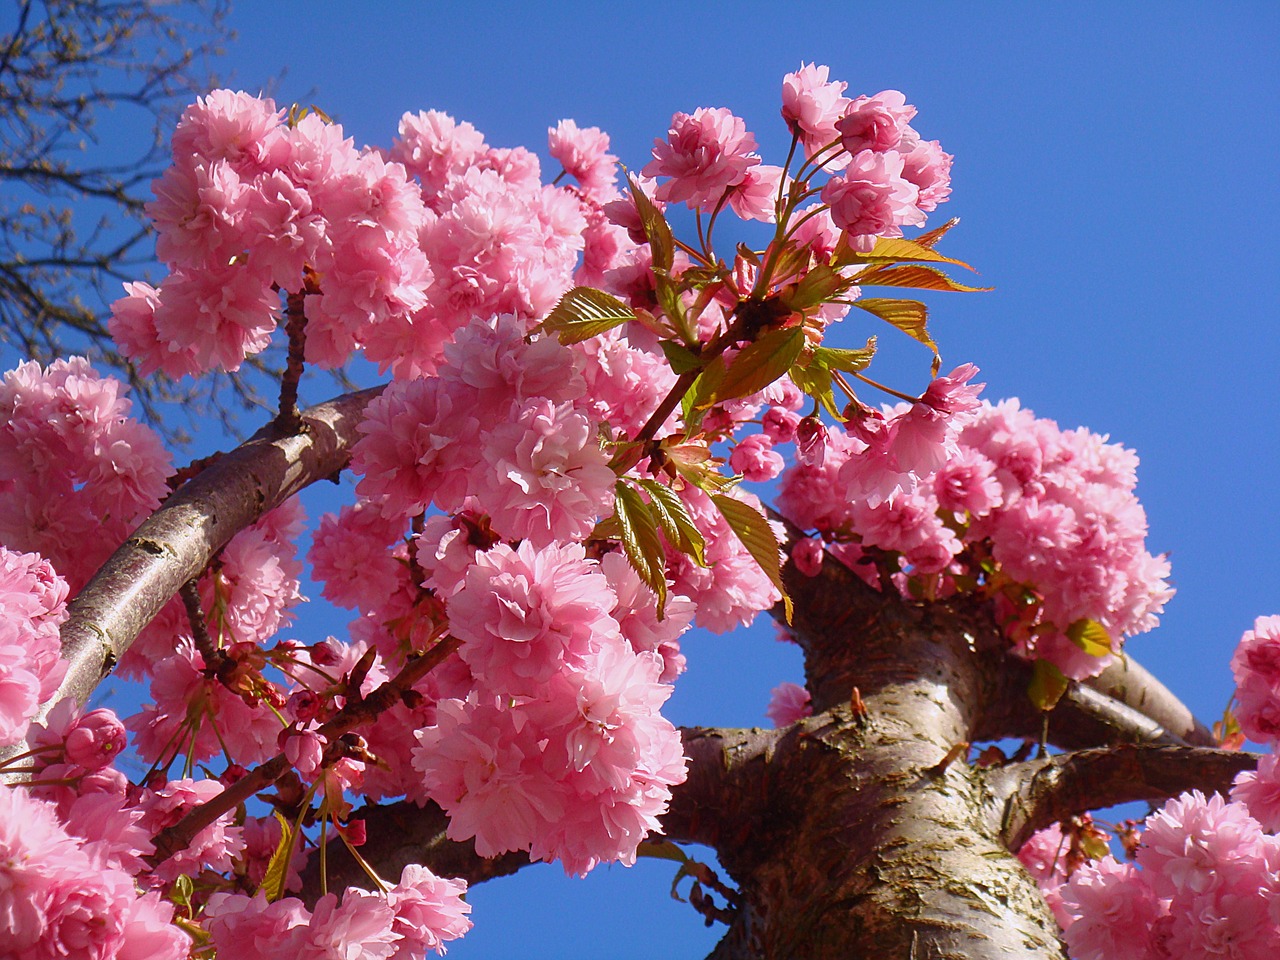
(1029, 796)
(176, 542)
(1124, 704)
(720, 803)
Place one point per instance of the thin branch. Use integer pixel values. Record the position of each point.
(357, 712)
(1132, 684)
(723, 796)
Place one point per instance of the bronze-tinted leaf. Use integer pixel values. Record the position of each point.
(278, 866)
(673, 516)
(760, 363)
(681, 358)
(914, 276)
(640, 540)
(909, 316)
(1091, 637)
(931, 237)
(1048, 684)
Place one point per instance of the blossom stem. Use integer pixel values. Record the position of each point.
(288, 419)
(209, 652)
(889, 390)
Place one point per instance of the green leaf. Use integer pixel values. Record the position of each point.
(667, 292)
(1048, 684)
(660, 849)
(1091, 637)
(673, 516)
(849, 361)
(751, 527)
(681, 358)
(640, 540)
(584, 312)
(817, 286)
(1094, 846)
(909, 316)
(915, 276)
(814, 380)
(699, 398)
(657, 231)
(278, 866)
(760, 363)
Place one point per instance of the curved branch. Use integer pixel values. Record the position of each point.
(176, 542)
(1029, 796)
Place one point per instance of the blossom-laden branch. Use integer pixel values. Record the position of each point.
(1031, 795)
(356, 713)
(176, 543)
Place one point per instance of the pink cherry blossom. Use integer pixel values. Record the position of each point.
(788, 703)
(428, 911)
(929, 168)
(755, 458)
(705, 154)
(584, 154)
(871, 198)
(812, 105)
(547, 476)
(875, 123)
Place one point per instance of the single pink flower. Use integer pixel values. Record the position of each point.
(705, 154)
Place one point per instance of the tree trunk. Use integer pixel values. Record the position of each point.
(874, 837)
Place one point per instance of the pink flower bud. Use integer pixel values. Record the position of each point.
(97, 738)
(811, 438)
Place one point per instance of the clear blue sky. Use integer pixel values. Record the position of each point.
(1116, 172)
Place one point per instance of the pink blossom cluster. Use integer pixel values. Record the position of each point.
(254, 206)
(1202, 884)
(974, 495)
(709, 158)
(891, 178)
(33, 603)
(1256, 668)
(500, 424)
(419, 913)
(61, 897)
(731, 588)
(76, 472)
(559, 748)
(250, 202)
(497, 239)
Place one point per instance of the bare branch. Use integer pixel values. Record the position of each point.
(1029, 796)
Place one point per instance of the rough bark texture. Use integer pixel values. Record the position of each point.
(874, 842)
